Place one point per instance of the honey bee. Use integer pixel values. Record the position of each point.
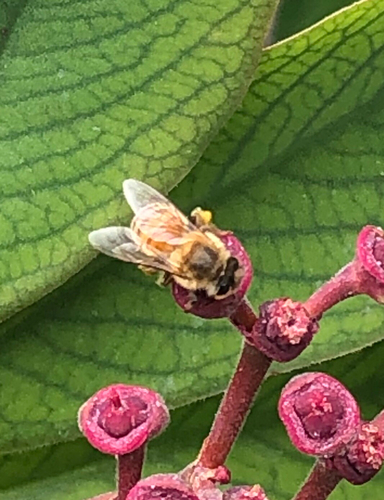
(161, 238)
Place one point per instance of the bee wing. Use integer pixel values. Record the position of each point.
(156, 217)
(122, 243)
(139, 195)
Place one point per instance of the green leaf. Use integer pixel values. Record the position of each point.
(9, 12)
(73, 485)
(262, 454)
(95, 92)
(295, 173)
(301, 169)
(296, 15)
(79, 339)
(36, 465)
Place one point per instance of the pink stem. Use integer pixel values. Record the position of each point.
(244, 317)
(343, 285)
(129, 468)
(234, 408)
(319, 484)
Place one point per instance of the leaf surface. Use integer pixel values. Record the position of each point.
(296, 173)
(288, 22)
(94, 92)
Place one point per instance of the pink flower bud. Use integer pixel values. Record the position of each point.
(204, 481)
(319, 414)
(221, 475)
(163, 487)
(364, 455)
(199, 476)
(210, 307)
(370, 256)
(120, 418)
(112, 495)
(245, 493)
(283, 330)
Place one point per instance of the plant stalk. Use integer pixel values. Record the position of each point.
(129, 468)
(343, 285)
(244, 318)
(235, 406)
(319, 484)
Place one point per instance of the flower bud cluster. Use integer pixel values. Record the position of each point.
(321, 416)
(323, 419)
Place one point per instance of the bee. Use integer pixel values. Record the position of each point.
(161, 238)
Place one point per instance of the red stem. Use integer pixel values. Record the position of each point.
(244, 317)
(129, 468)
(343, 285)
(319, 484)
(234, 408)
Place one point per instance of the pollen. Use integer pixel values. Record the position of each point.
(203, 217)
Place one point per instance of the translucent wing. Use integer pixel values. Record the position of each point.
(156, 217)
(139, 195)
(163, 224)
(111, 241)
(122, 243)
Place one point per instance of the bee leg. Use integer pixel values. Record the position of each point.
(200, 217)
(149, 271)
(165, 279)
(211, 228)
(191, 302)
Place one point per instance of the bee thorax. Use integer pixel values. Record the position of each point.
(203, 262)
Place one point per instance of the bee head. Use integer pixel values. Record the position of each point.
(227, 280)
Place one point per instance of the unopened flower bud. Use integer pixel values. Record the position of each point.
(319, 413)
(364, 455)
(120, 418)
(245, 493)
(204, 480)
(162, 486)
(111, 495)
(283, 330)
(370, 256)
(200, 304)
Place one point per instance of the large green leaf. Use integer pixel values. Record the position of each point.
(297, 15)
(301, 169)
(74, 485)
(94, 92)
(262, 454)
(9, 12)
(296, 173)
(20, 468)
